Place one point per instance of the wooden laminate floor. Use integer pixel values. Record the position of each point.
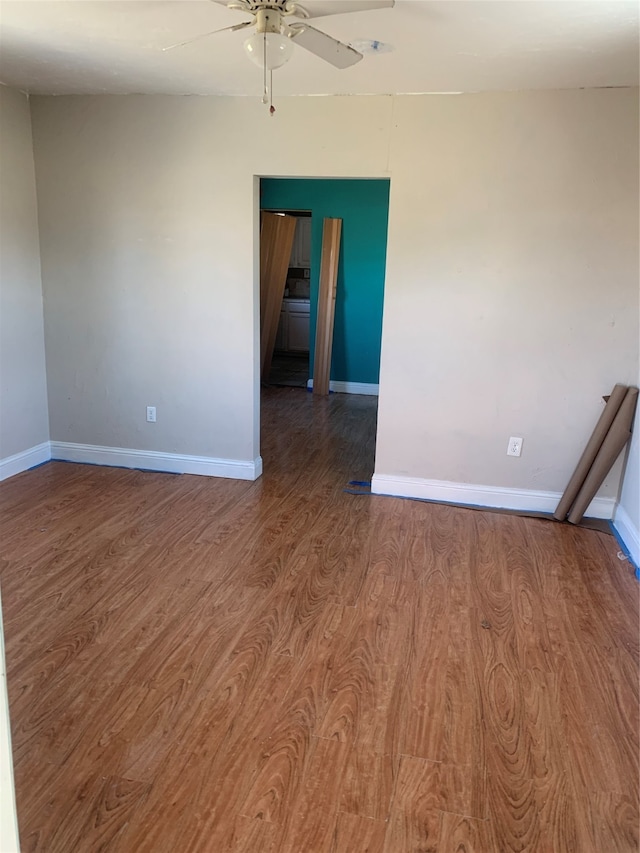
(209, 665)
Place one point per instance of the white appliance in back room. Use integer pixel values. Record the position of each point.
(293, 328)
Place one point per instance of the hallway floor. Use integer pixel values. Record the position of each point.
(289, 370)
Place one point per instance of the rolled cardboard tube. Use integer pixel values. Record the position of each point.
(590, 452)
(615, 440)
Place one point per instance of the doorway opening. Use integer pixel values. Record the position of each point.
(362, 205)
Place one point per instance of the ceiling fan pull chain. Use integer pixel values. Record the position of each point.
(272, 109)
(265, 97)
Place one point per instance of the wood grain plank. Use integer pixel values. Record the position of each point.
(424, 786)
(466, 835)
(368, 784)
(531, 802)
(354, 832)
(609, 821)
(284, 754)
(90, 813)
(413, 834)
(252, 836)
(311, 822)
(424, 697)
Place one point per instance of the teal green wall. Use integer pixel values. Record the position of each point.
(363, 207)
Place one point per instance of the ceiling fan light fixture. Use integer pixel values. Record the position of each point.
(269, 49)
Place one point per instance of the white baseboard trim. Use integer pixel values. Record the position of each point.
(19, 462)
(628, 532)
(495, 497)
(151, 460)
(366, 388)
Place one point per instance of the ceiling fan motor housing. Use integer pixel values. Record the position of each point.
(268, 21)
(253, 6)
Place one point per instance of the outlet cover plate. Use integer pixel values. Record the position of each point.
(514, 448)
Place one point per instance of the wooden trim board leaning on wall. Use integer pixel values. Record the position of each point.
(331, 234)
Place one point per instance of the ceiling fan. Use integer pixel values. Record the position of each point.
(272, 43)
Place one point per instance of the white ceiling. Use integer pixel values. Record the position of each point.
(100, 46)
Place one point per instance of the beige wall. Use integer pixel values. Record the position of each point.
(23, 391)
(512, 269)
(521, 213)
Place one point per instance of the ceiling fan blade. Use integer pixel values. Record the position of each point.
(324, 8)
(241, 5)
(206, 35)
(324, 46)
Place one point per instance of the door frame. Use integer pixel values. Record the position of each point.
(257, 178)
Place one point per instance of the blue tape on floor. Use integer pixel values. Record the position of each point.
(39, 465)
(625, 550)
(121, 467)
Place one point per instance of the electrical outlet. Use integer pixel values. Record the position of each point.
(151, 414)
(514, 448)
